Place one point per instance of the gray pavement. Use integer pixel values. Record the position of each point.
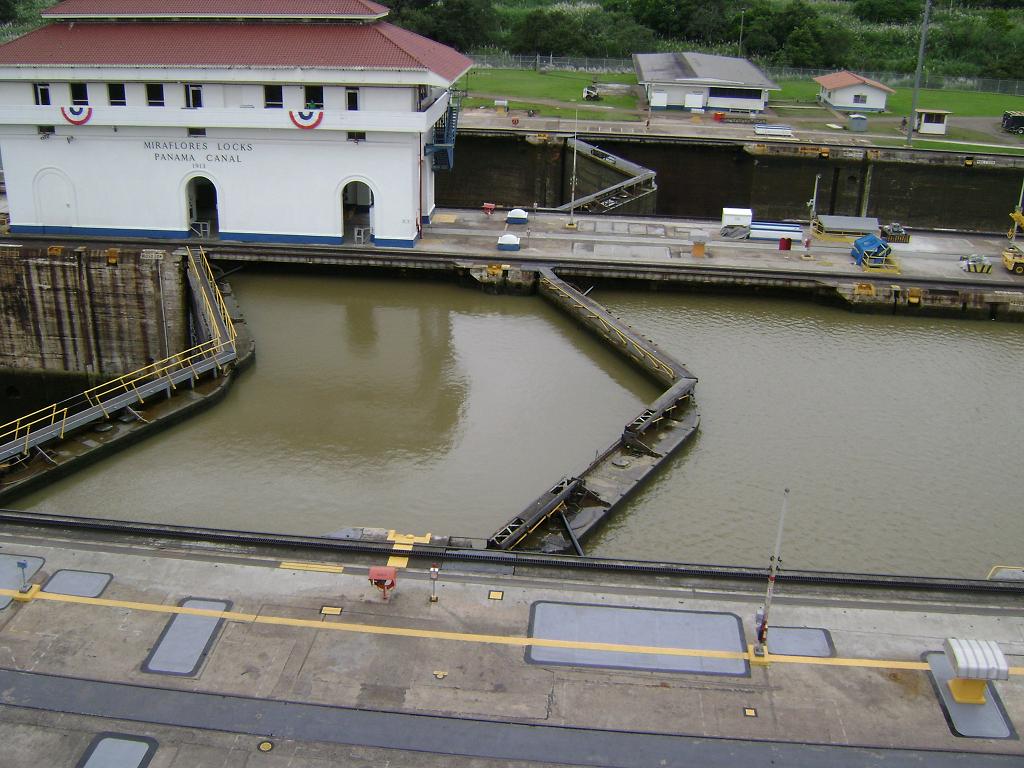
(669, 242)
(369, 682)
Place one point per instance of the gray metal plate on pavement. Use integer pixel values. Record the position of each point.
(77, 583)
(10, 574)
(118, 750)
(186, 639)
(979, 721)
(800, 641)
(695, 630)
(438, 734)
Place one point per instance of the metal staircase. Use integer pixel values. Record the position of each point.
(215, 348)
(442, 148)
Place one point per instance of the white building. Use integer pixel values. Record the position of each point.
(850, 92)
(292, 121)
(701, 81)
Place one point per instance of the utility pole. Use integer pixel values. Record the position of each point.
(917, 73)
(761, 620)
(739, 48)
(572, 198)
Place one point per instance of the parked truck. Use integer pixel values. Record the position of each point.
(1013, 122)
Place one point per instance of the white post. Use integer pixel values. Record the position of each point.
(762, 628)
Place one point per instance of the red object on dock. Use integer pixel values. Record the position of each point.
(488, 208)
(785, 244)
(718, 117)
(383, 577)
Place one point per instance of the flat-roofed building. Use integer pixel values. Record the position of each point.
(699, 81)
(310, 121)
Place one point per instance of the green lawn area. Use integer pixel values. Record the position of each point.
(565, 113)
(951, 146)
(528, 84)
(962, 103)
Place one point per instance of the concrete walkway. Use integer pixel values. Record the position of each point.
(310, 658)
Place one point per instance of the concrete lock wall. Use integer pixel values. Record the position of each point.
(269, 186)
(75, 312)
(698, 181)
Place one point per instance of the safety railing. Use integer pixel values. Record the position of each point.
(54, 420)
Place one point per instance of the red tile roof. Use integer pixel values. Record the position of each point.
(378, 46)
(215, 8)
(845, 78)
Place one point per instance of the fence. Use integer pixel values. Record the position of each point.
(537, 61)
(892, 79)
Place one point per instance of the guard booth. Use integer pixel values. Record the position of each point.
(931, 121)
(843, 229)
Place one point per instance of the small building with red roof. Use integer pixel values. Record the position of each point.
(849, 92)
(266, 120)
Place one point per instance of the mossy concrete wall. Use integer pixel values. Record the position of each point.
(86, 312)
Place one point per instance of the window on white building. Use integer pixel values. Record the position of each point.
(273, 97)
(42, 93)
(192, 132)
(313, 97)
(860, 98)
(116, 95)
(79, 94)
(356, 136)
(193, 96)
(352, 99)
(155, 94)
(46, 131)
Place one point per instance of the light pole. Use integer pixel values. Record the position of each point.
(572, 193)
(739, 48)
(917, 73)
(760, 648)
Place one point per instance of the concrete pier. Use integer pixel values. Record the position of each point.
(309, 667)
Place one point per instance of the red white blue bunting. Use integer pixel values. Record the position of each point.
(76, 115)
(307, 120)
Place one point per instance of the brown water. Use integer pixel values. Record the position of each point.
(426, 407)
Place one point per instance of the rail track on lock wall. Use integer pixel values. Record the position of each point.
(156, 534)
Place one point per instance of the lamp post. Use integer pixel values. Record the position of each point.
(739, 48)
(917, 73)
(572, 193)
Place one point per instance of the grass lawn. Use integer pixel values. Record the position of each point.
(952, 147)
(528, 84)
(962, 103)
(546, 110)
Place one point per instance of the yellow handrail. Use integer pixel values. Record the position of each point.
(50, 415)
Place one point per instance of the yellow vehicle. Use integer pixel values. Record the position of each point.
(1013, 258)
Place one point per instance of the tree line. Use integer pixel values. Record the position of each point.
(981, 38)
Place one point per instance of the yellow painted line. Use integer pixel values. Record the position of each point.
(508, 640)
(1003, 568)
(398, 562)
(322, 567)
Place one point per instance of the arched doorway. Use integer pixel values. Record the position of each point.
(357, 219)
(201, 202)
(55, 200)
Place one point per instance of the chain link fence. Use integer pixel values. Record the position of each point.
(537, 61)
(892, 79)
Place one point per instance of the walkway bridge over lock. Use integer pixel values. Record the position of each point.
(214, 347)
